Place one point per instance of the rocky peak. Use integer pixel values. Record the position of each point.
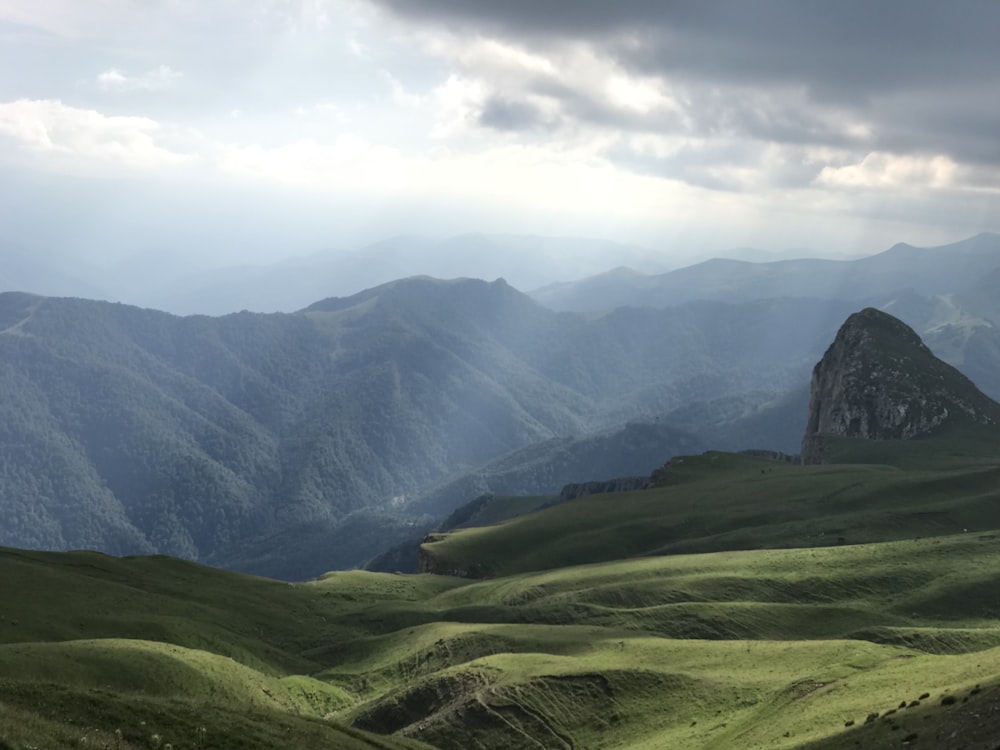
(878, 381)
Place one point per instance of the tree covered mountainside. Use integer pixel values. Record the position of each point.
(134, 431)
(290, 444)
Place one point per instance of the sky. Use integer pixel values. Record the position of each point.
(250, 130)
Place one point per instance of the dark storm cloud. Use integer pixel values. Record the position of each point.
(923, 76)
(850, 45)
(962, 119)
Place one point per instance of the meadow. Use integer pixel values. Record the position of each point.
(742, 603)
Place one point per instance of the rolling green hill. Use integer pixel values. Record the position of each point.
(757, 648)
(721, 501)
(141, 652)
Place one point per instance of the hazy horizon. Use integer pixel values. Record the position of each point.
(175, 135)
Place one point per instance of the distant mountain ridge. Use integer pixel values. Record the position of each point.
(288, 444)
(525, 261)
(947, 293)
(927, 271)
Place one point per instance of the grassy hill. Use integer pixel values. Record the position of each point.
(141, 652)
(768, 648)
(795, 604)
(720, 501)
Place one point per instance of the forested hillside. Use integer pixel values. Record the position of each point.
(134, 431)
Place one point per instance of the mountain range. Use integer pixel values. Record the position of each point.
(132, 430)
(290, 444)
(179, 284)
(926, 271)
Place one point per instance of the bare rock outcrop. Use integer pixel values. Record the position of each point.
(878, 381)
(619, 484)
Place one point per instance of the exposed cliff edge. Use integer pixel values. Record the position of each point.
(878, 381)
(619, 484)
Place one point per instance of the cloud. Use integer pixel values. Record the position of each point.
(536, 178)
(879, 169)
(51, 128)
(347, 162)
(849, 45)
(914, 84)
(638, 112)
(508, 114)
(400, 95)
(294, 14)
(459, 103)
(162, 77)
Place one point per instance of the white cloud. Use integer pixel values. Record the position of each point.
(298, 15)
(50, 127)
(885, 170)
(347, 162)
(458, 103)
(358, 48)
(532, 178)
(115, 81)
(65, 17)
(643, 95)
(400, 95)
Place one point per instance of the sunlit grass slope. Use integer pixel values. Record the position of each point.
(764, 648)
(767, 626)
(161, 650)
(771, 648)
(720, 501)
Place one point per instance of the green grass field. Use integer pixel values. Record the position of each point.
(793, 604)
(723, 501)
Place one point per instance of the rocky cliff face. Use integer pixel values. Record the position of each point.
(878, 381)
(619, 484)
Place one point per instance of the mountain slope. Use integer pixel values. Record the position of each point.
(818, 596)
(719, 501)
(748, 649)
(142, 652)
(134, 431)
(544, 468)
